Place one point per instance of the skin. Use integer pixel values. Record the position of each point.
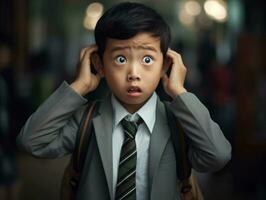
(132, 69)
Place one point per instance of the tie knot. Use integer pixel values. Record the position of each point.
(130, 128)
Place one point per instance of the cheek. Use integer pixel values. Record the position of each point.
(157, 71)
(153, 77)
(113, 76)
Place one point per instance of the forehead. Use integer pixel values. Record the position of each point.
(139, 41)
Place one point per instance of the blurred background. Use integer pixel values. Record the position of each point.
(222, 43)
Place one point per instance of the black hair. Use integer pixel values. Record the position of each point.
(125, 20)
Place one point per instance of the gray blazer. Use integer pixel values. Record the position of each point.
(50, 132)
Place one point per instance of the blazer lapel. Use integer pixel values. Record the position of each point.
(103, 132)
(159, 139)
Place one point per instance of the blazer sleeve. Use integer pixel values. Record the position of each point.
(50, 131)
(209, 150)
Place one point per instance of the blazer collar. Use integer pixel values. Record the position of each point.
(103, 132)
(159, 139)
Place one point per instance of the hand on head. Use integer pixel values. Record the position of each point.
(174, 82)
(86, 81)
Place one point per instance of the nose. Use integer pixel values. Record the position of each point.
(133, 73)
(132, 77)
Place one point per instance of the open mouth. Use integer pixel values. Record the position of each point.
(133, 89)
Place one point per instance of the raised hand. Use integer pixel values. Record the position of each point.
(86, 81)
(174, 82)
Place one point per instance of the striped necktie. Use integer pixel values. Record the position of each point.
(126, 180)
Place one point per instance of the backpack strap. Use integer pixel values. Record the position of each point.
(84, 135)
(180, 143)
(72, 173)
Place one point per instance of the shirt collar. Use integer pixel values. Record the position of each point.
(146, 112)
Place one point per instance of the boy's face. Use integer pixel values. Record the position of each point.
(133, 68)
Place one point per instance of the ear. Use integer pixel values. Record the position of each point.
(166, 65)
(97, 63)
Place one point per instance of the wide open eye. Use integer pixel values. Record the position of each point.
(120, 60)
(147, 60)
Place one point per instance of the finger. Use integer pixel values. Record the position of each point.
(88, 53)
(174, 64)
(180, 61)
(89, 50)
(174, 56)
(177, 60)
(81, 54)
(173, 60)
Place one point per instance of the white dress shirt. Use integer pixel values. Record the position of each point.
(147, 113)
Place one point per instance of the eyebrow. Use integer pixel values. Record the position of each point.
(145, 47)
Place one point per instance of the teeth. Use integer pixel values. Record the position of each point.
(133, 89)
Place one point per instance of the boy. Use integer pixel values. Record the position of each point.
(132, 54)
